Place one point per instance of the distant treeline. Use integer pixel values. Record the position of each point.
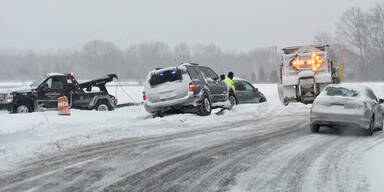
(358, 39)
(97, 58)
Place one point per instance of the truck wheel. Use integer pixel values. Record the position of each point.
(205, 107)
(103, 106)
(314, 128)
(23, 108)
(380, 128)
(286, 102)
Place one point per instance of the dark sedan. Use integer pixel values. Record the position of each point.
(247, 93)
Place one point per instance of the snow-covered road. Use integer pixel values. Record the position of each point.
(263, 147)
(267, 153)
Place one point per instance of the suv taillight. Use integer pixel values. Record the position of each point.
(191, 87)
(144, 96)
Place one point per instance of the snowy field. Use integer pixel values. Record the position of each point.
(29, 135)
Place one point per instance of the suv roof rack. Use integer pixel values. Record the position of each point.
(158, 68)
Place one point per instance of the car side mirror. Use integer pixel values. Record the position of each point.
(256, 90)
(381, 101)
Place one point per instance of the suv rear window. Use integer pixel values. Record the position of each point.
(193, 73)
(165, 76)
(341, 91)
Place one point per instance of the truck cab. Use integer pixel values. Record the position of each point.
(43, 94)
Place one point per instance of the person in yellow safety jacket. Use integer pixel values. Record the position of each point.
(229, 80)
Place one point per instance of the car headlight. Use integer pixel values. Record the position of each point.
(10, 98)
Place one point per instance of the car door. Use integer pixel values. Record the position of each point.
(212, 81)
(246, 93)
(51, 89)
(241, 93)
(221, 86)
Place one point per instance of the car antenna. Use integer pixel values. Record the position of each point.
(176, 60)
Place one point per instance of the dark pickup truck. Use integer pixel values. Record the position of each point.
(43, 94)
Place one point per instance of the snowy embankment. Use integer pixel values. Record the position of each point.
(28, 135)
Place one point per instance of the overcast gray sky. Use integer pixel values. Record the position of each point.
(233, 24)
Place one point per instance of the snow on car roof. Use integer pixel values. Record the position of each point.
(359, 88)
(239, 79)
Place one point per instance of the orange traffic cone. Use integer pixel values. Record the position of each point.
(63, 107)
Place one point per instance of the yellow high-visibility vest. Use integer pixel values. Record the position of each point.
(229, 80)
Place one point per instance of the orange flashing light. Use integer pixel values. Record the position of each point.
(315, 61)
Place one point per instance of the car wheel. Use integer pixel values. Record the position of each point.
(232, 100)
(314, 128)
(371, 127)
(154, 115)
(23, 108)
(205, 107)
(103, 106)
(380, 127)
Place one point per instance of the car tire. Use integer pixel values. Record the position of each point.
(23, 108)
(232, 99)
(103, 105)
(380, 127)
(205, 108)
(154, 115)
(314, 128)
(371, 128)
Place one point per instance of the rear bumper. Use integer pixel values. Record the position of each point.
(187, 104)
(329, 119)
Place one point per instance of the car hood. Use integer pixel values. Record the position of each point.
(23, 89)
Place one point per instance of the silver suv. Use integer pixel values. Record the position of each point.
(186, 88)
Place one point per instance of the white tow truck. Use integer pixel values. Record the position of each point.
(304, 72)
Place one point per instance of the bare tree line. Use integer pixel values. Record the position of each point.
(97, 58)
(358, 39)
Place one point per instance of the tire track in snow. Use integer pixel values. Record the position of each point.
(318, 162)
(182, 172)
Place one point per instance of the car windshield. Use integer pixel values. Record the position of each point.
(165, 76)
(38, 82)
(341, 91)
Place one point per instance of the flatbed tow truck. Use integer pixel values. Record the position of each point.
(43, 94)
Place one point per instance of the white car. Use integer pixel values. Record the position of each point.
(347, 105)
